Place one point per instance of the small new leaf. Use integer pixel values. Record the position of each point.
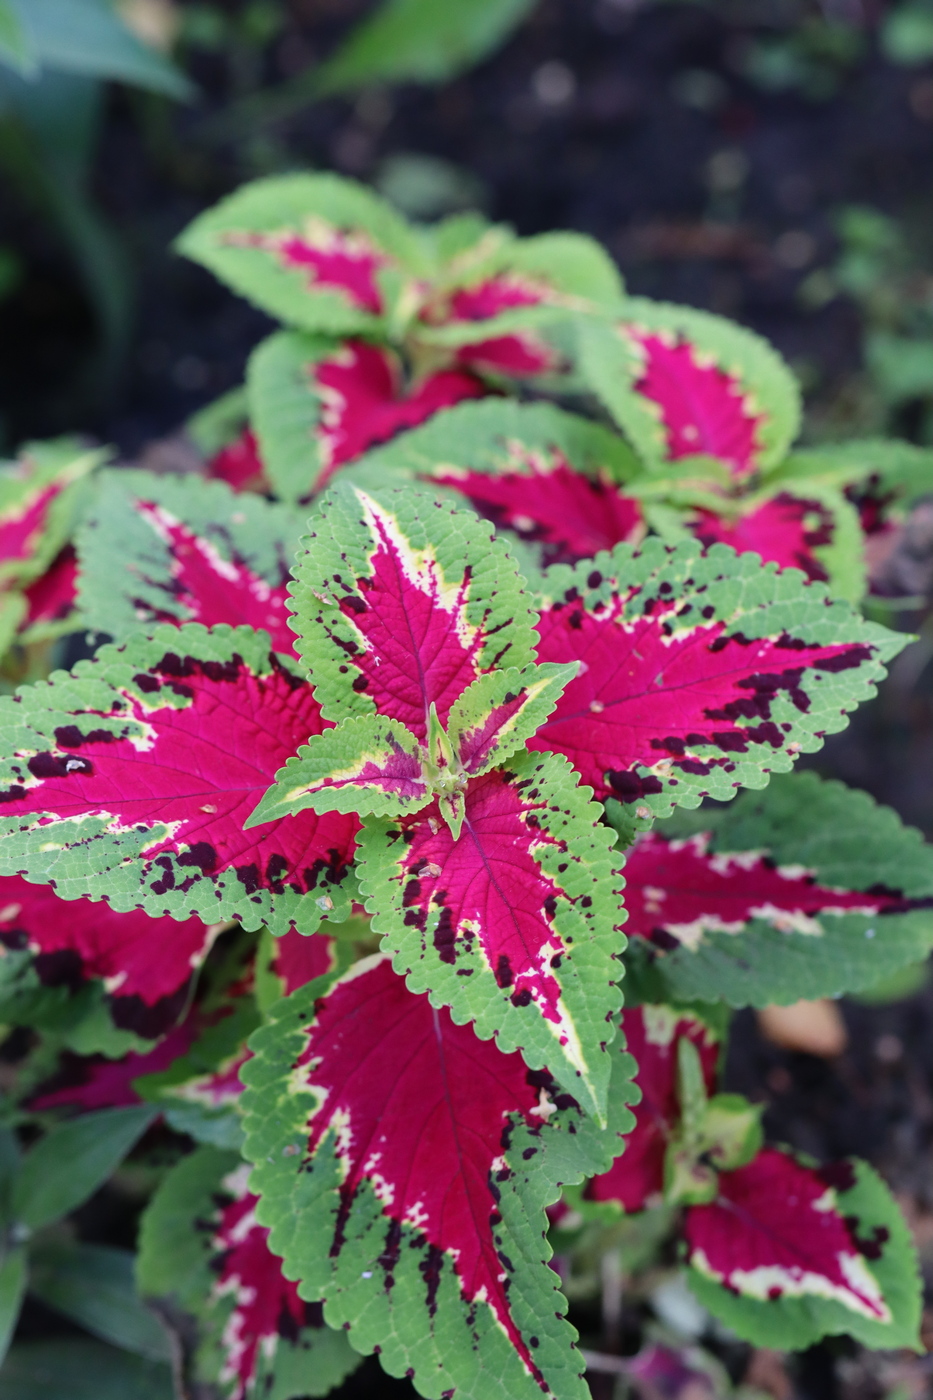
(498, 713)
(368, 764)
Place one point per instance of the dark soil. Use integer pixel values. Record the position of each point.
(690, 175)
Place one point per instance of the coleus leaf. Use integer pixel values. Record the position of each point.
(87, 1083)
(514, 923)
(190, 551)
(401, 603)
(203, 1254)
(493, 301)
(195, 1066)
(373, 765)
(805, 890)
(40, 496)
(146, 964)
(786, 529)
(682, 383)
(543, 475)
(309, 249)
(368, 764)
(403, 1167)
(239, 464)
(316, 406)
(51, 599)
(652, 1035)
(788, 1253)
(818, 532)
(131, 777)
(699, 674)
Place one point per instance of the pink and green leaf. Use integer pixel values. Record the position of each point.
(402, 603)
(190, 551)
(316, 407)
(500, 711)
(699, 673)
(682, 383)
(131, 778)
(515, 923)
(145, 964)
(789, 1253)
(203, 1253)
(807, 889)
(403, 1167)
(312, 250)
(368, 764)
(41, 494)
(652, 1034)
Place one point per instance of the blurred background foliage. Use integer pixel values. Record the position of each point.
(768, 159)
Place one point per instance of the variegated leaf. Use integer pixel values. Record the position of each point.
(368, 764)
(805, 890)
(204, 1254)
(317, 406)
(499, 712)
(309, 249)
(514, 924)
(401, 603)
(787, 1253)
(403, 1167)
(699, 674)
(131, 777)
(146, 964)
(189, 551)
(652, 1035)
(682, 383)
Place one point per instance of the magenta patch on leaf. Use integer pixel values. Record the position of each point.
(266, 1305)
(364, 401)
(217, 590)
(520, 353)
(417, 647)
(676, 891)
(53, 596)
(418, 1106)
(331, 259)
(145, 964)
(489, 888)
(571, 516)
(652, 1034)
(648, 695)
(785, 531)
(88, 1083)
(300, 958)
(209, 761)
(22, 523)
(775, 1231)
(702, 409)
(239, 464)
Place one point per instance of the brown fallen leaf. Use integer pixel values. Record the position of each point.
(815, 1027)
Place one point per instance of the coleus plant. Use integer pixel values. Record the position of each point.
(758, 1225)
(372, 832)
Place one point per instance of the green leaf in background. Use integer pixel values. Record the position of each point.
(420, 41)
(93, 1285)
(13, 1275)
(15, 48)
(285, 410)
(79, 1369)
(907, 33)
(88, 37)
(73, 1160)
